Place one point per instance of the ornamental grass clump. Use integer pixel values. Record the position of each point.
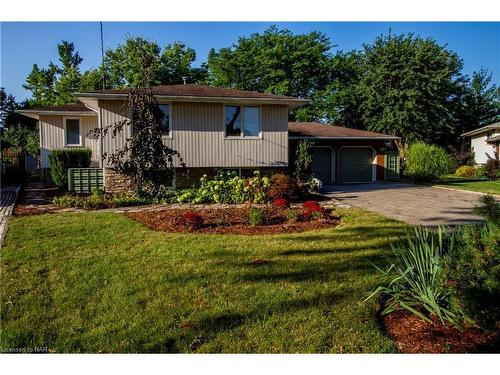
(425, 163)
(415, 281)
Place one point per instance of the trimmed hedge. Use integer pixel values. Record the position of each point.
(61, 160)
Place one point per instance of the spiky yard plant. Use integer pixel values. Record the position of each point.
(415, 280)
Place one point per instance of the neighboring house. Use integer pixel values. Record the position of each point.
(213, 128)
(485, 142)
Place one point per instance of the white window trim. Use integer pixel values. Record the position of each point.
(65, 118)
(242, 115)
(169, 135)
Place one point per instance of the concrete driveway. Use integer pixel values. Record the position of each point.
(419, 205)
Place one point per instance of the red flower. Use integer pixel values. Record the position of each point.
(281, 202)
(311, 207)
(191, 220)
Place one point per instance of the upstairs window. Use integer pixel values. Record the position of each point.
(165, 119)
(72, 132)
(242, 121)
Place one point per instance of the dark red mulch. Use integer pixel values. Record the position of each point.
(232, 221)
(414, 335)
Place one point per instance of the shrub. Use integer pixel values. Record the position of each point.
(466, 171)
(61, 160)
(489, 208)
(314, 185)
(415, 280)
(283, 186)
(474, 276)
(281, 203)
(228, 187)
(303, 159)
(292, 215)
(492, 169)
(191, 220)
(481, 172)
(312, 209)
(425, 162)
(98, 201)
(255, 216)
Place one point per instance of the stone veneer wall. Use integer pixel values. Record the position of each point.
(115, 182)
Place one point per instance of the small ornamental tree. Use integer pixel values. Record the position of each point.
(303, 159)
(144, 156)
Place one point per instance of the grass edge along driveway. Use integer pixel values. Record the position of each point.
(100, 282)
(470, 184)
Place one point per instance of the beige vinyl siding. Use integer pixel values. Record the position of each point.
(52, 136)
(197, 133)
(111, 112)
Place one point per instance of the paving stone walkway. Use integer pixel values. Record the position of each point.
(8, 196)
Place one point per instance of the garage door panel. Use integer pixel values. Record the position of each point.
(322, 164)
(355, 164)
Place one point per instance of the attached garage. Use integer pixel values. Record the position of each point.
(344, 155)
(356, 164)
(323, 163)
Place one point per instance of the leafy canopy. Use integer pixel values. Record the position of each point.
(124, 65)
(276, 61)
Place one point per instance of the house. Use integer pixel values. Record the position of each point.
(484, 142)
(214, 128)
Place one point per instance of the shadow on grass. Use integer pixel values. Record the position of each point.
(207, 328)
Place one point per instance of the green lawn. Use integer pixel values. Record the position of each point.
(100, 282)
(481, 186)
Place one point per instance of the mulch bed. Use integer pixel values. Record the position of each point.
(414, 335)
(232, 221)
(36, 198)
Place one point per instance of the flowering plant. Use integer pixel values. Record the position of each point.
(315, 185)
(281, 203)
(311, 208)
(191, 220)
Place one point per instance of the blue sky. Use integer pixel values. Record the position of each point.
(23, 44)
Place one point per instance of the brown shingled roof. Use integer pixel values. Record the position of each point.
(318, 130)
(200, 91)
(77, 107)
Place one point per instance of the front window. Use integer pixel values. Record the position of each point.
(165, 119)
(72, 135)
(233, 121)
(242, 121)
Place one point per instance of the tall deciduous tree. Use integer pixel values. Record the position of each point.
(409, 87)
(125, 64)
(276, 61)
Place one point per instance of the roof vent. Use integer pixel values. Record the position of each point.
(184, 79)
